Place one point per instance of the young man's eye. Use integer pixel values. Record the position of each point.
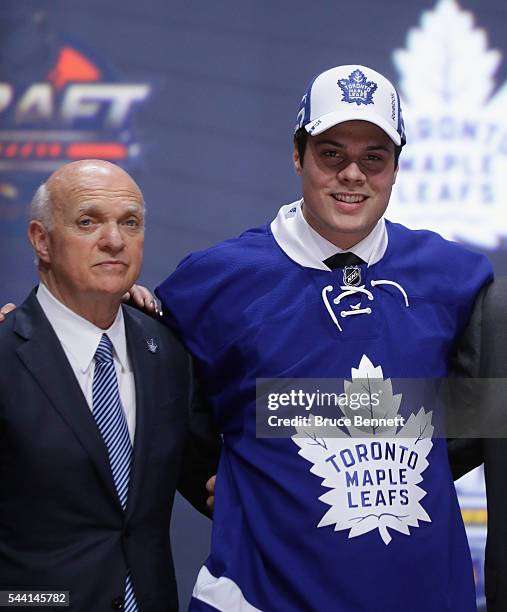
(333, 156)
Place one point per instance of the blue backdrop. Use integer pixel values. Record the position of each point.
(198, 101)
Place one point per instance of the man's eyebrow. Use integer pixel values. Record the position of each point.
(339, 145)
(85, 208)
(333, 143)
(378, 148)
(91, 208)
(134, 209)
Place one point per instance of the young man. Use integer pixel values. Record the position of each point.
(330, 289)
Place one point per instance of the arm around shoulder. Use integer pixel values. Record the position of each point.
(202, 450)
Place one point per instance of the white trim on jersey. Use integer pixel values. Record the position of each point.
(221, 593)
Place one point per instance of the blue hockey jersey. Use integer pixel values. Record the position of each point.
(303, 523)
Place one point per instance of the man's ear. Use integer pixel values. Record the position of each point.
(298, 166)
(395, 174)
(39, 237)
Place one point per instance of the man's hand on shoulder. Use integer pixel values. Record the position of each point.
(6, 308)
(141, 298)
(210, 488)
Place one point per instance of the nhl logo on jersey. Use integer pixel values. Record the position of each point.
(352, 276)
(357, 88)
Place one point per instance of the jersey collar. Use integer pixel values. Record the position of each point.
(308, 248)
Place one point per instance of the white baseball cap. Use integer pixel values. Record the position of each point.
(351, 92)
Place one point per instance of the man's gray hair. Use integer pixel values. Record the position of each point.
(40, 207)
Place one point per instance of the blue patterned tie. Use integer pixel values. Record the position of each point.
(112, 424)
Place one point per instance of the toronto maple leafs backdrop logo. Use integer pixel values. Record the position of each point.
(373, 474)
(357, 88)
(453, 168)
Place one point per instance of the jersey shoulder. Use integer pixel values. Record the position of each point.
(434, 267)
(244, 260)
(253, 247)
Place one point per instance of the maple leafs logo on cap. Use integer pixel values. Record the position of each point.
(357, 88)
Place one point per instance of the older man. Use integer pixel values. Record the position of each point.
(94, 409)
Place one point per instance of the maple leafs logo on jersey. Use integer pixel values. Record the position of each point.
(372, 474)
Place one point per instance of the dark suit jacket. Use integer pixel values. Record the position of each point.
(482, 353)
(61, 523)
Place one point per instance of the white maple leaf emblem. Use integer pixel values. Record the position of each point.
(373, 473)
(454, 163)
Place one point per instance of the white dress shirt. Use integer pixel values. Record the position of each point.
(80, 339)
(308, 248)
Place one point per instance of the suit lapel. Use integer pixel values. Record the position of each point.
(144, 364)
(45, 358)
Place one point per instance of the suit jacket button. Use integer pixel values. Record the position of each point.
(118, 603)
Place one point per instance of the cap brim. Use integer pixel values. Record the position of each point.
(321, 124)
